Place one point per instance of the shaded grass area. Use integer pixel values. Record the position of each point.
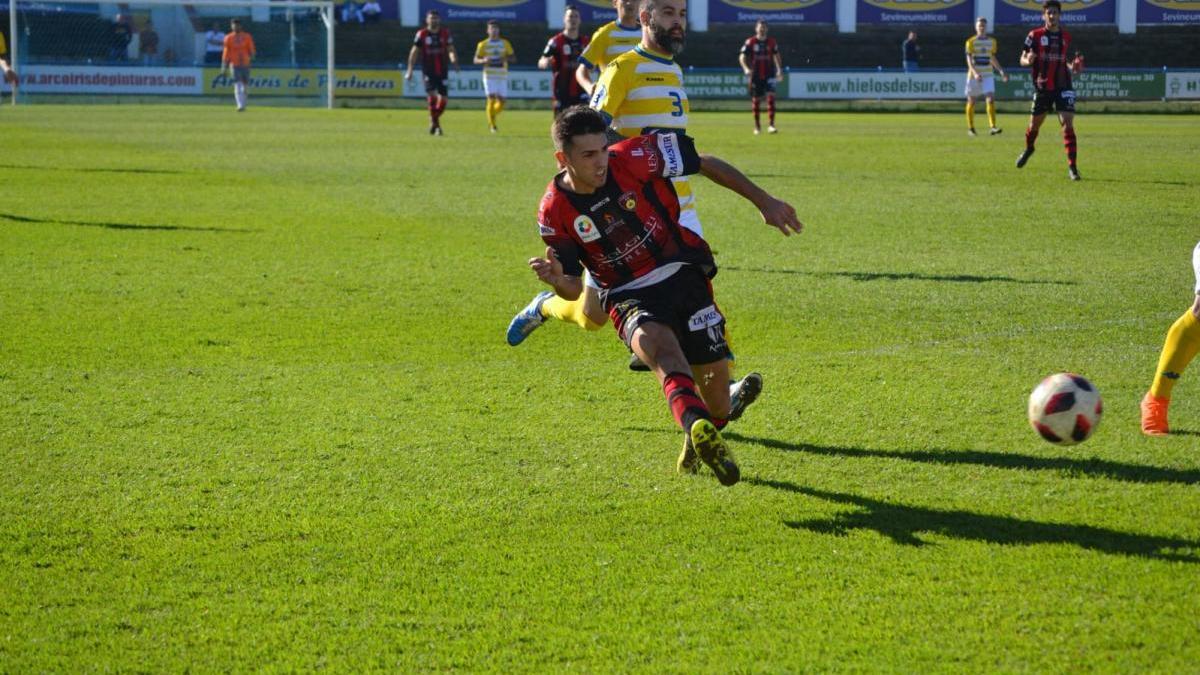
(258, 411)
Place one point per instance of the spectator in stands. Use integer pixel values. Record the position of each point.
(351, 12)
(214, 44)
(148, 44)
(371, 11)
(122, 35)
(911, 53)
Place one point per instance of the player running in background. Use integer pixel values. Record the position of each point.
(981, 69)
(436, 48)
(613, 211)
(10, 75)
(494, 54)
(1045, 53)
(1181, 346)
(763, 65)
(238, 53)
(610, 41)
(561, 57)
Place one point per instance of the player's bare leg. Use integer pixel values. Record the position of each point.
(1031, 134)
(656, 344)
(1067, 120)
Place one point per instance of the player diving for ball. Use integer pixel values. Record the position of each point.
(641, 90)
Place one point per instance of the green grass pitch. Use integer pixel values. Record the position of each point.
(258, 411)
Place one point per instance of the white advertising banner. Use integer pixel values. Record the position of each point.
(469, 84)
(877, 85)
(86, 79)
(1184, 84)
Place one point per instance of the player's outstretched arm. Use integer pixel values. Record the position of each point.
(550, 271)
(775, 212)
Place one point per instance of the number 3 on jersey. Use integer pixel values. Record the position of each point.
(676, 104)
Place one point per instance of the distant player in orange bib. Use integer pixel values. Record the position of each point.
(238, 52)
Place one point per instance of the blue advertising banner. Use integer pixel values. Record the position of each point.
(504, 10)
(594, 11)
(1168, 11)
(1029, 12)
(916, 11)
(776, 11)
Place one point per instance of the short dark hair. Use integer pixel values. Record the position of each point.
(578, 120)
(493, 22)
(434, 12)
(1052, 3)
(760, 22)
(570, 8)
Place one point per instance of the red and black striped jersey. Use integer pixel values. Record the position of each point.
(1050, 70)
(435, 47)
(564, 54)
(760, 54)
(629, 228)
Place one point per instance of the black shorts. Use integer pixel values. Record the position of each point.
(241, 74)
(436, 84)
(684, 303)
(760, 86)
(1058, 100)
(564, 100)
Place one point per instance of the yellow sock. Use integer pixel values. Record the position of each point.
(991, 108)
(1183, 341)
(570, 311)
(491, 115)
(971, 115)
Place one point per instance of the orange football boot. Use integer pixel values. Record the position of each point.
(1154, 415)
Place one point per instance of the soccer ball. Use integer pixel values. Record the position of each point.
(1065, 409)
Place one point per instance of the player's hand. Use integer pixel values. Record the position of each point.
(548, 269)
(780, 214)
(408, 75)
(10, 76)
(1005, 76)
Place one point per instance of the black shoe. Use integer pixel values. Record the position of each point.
(1024, 157)
(743, 393)
(637, 365)
(1073, 173)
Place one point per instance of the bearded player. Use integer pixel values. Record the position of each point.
(1045, 53)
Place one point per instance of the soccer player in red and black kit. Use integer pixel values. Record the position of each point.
(614, 211)
(436, 48)
(762, 64)
(1045, 53)
(561, 57)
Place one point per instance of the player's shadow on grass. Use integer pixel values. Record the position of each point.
(904, 276)
(903, 525)
(118, 226)
(75, 169)
(1097, 468)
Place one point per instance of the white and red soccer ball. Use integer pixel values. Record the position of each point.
(1065, 409)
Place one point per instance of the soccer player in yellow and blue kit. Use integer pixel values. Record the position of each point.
(494, 54)
(639, 92)
(610, 41)
(1180, 347)
(981, 68)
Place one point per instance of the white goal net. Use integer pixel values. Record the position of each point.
(166, 50)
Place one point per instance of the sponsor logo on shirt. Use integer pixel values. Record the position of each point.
(709, 316)
(545, 230)
(598, 204)
(598, 95)
(586, 229)
(668, 147)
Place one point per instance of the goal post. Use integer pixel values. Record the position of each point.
(169, 51)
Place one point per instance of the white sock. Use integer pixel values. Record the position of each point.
(239, 94)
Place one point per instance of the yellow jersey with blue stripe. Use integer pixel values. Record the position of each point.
(496, 52)
(642, 91)
(608, 42)
(981, 50)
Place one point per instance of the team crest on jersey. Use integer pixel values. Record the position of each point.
(628, 201)
(1045, 41)
(586, 229)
